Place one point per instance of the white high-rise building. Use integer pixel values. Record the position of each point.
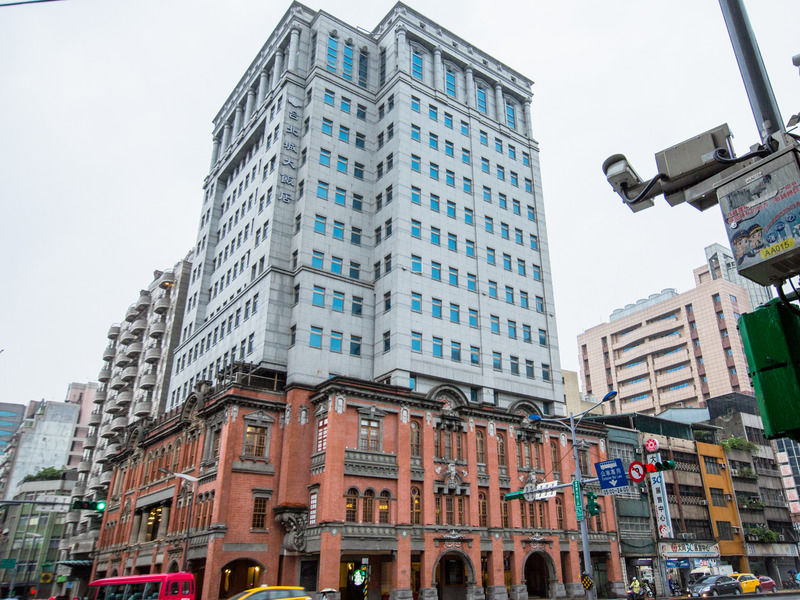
(374, 210)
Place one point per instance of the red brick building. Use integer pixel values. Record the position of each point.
(375, 491)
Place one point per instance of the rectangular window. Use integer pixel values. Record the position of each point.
(324, 157)
(433, 141)
(453, 276)
(436, 308)
(436, 271)
(327, 126)
(437, 347)
(455, 313)
(464, 128)
(452, 242)
(327, 97)
(472, 282)
(416, 163)
(481, 94)
(337, 303)
(474, 355)
(416, 302)
(416, 264)
(318, 296)
(369, 434)
(357, 306)
(433, 112)
(355, 345)
(317, 259)
(543, 337)
(455, 351)
(355, 269)
(322, 190)
(336, 341)
(416, 64)
(497, 361)
(545, 372)
(414, 103)
(259, 513)
(416, 341)
(468, 216)
(345, 105)
(315, 338)
(449, 149)
(319, 224)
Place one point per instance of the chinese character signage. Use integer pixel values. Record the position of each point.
(288, 164)
(660, 502)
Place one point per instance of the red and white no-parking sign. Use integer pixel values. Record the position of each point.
(637, 471)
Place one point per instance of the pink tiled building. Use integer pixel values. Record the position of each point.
(669, 350)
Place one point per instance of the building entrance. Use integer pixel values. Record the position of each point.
(452, 577)
(538, 569)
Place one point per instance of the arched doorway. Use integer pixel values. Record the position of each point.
(453, 574)
(539, 574)
(239, 575)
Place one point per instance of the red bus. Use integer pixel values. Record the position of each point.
(156, 586)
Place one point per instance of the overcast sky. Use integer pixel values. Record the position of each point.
(105, 137)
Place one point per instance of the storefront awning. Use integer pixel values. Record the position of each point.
(75, 563)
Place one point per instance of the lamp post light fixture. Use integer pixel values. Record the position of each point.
(572, 422)
(188, 479)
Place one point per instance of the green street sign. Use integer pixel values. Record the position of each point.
(8, 563)
(47, 566)
(576, 490)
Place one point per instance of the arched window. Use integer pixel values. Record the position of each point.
(450, 81)
(559, 513)
(416, 439)
(368, 513)
(416, 506)
(481, 95)
(480, 446)
(501, 449)
(483, 510)
(351, 506)
(416, 63)
(383, 506)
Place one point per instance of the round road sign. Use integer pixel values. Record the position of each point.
(651, 445)
(529, 491)
(637, 471)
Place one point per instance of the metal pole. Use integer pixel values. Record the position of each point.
(186, 539)
(591, 593)
(751, 66)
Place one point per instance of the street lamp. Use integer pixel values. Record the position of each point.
(570, 422)
(193, 481)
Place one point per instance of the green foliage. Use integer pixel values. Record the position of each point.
(764, 535)
(46, 474)
(737, 443)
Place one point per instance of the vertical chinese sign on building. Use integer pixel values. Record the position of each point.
(289, 159)
(660, 502)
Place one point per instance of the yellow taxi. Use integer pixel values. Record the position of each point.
(273, 592)
(749, 582)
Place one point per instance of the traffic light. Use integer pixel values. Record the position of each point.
(592, 507)
(771, 339)
(98, 505)
(666, 465)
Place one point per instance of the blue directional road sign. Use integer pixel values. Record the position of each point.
(611, 473)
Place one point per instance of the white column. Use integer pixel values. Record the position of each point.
(500, 105)
(526, 110)
(470, 99)
(277, 68)
(294, 50)
(214, 151)
(226, 135)
(263, 82)
(237, 119)
(251, 102)
(402, 51)
(438, 79)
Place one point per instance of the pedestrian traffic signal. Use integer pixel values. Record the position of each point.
(666, 465)
(592, 507)
(98, 505)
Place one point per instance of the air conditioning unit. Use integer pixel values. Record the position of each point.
(735, 530)
(688, 536)
(723, 466)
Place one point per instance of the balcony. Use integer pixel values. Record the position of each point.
(113, 449)
(161, 306)
(122, 359)
(624, 372)
(673, 358)
(152, 355)
(104, 375)
(90, 442)
(116, 383)
(132, 313)
(84, 466)
(126, 337)
(99, 396)
(142, 408)
(112, 408)
(681, 394)
(118, 425)
(147, 381)
(79, 489)
(105, 432)
(124, 398)
(94, 418)
(167, 280)
(100, 456)
(73, 516)
(113, 332)
(139, 325)
(82, 546)
(157, 329)
(108, 353)
(679, 376)
(133, 350)
(129, 374)
(143, 301)
(105, 478)
(96, 486)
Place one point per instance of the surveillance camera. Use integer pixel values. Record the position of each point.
(620, 174)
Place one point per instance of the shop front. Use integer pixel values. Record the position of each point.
(684, 561)
(774, 560)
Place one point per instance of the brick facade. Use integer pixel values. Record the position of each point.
(310, 486)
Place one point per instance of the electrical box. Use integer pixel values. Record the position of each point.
(761, 208)
(771, 338)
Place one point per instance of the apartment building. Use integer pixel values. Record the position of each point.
(134, 378)
(373, 209)
(668, 350)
